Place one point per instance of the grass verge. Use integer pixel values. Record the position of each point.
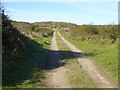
(104, 55)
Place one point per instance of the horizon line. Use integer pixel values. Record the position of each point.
(90, 23)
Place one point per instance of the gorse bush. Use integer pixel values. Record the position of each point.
(12, 40)
(13, 47)
(34, 29)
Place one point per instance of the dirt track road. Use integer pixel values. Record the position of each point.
(55, 77)
(88, 65)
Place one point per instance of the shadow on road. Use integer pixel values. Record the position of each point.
(55, 58)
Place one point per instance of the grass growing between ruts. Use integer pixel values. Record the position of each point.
(104, 55)
(77, 77)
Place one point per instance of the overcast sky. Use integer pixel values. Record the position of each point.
(74, 12)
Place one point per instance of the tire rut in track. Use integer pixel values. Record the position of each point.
(55, 77)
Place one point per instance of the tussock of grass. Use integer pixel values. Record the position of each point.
(78, 78)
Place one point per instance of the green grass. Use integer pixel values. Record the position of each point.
(35, 80)
(104, 55)
(77, 77)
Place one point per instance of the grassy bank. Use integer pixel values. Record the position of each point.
(30, 71)
(77, 77)
(36, 62)
(24, 53)
(104, 55)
